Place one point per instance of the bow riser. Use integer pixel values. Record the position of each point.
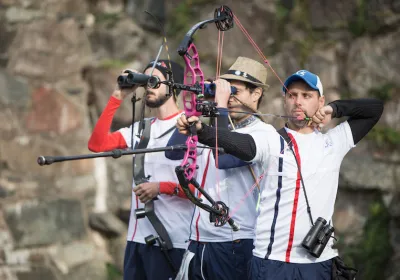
(189, 162)
(193, 76)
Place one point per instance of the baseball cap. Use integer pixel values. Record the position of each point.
(309, 78)
(163, 65)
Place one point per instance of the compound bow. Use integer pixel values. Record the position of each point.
(194, 106)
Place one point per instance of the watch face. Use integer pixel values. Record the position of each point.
(176, 190)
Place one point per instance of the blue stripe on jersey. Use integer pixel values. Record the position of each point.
(278, 198)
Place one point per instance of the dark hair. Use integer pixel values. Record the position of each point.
(251, 87)
(177, 71)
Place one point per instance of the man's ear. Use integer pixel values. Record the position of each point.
(321, 101)
(256, 95)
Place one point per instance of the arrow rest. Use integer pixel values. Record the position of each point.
(207, 108)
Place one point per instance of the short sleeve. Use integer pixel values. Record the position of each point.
(127, 134)
(341, 138)
(262, 140)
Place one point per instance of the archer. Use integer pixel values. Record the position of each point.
(169, 222)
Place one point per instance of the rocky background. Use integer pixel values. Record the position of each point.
(59, 60)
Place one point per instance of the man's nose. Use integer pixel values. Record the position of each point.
(298, 101)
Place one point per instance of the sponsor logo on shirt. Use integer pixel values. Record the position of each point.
(328, 143)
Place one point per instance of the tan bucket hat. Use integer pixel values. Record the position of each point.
(247, 70)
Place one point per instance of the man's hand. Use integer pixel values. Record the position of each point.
(147, 191)
(222, 92)
(120, 93)
(321, 117)
(183, 124)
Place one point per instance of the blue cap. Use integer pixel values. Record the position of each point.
(310, 78)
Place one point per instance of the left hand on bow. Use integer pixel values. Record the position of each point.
(183, 124)
(147, 191)
(321, 117)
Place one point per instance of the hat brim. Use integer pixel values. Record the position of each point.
(239, 78)
(296, 77)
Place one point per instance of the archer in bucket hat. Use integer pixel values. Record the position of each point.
(208, 243)
(250, 78)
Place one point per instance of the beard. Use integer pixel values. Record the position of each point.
(236, 117)
(157, 102)
(298, 123)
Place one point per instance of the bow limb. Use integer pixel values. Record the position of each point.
(219, 211)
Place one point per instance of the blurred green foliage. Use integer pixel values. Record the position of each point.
(108, 19)
(112, 63)
(358, 26)
(371, 254)
(182, 17)
(364, 20)
(113, 272)
(384, 137)
(384, 92)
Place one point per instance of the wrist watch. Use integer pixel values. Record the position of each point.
(176, 190)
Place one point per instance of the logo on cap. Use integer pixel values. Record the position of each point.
(159, 63)
(301, 72)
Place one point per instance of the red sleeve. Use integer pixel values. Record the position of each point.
(101, 139)
(169, 188)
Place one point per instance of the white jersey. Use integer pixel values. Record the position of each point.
(235, 187)
(283, 221)
(174, 213)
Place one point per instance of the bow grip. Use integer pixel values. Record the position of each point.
(192, 128)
